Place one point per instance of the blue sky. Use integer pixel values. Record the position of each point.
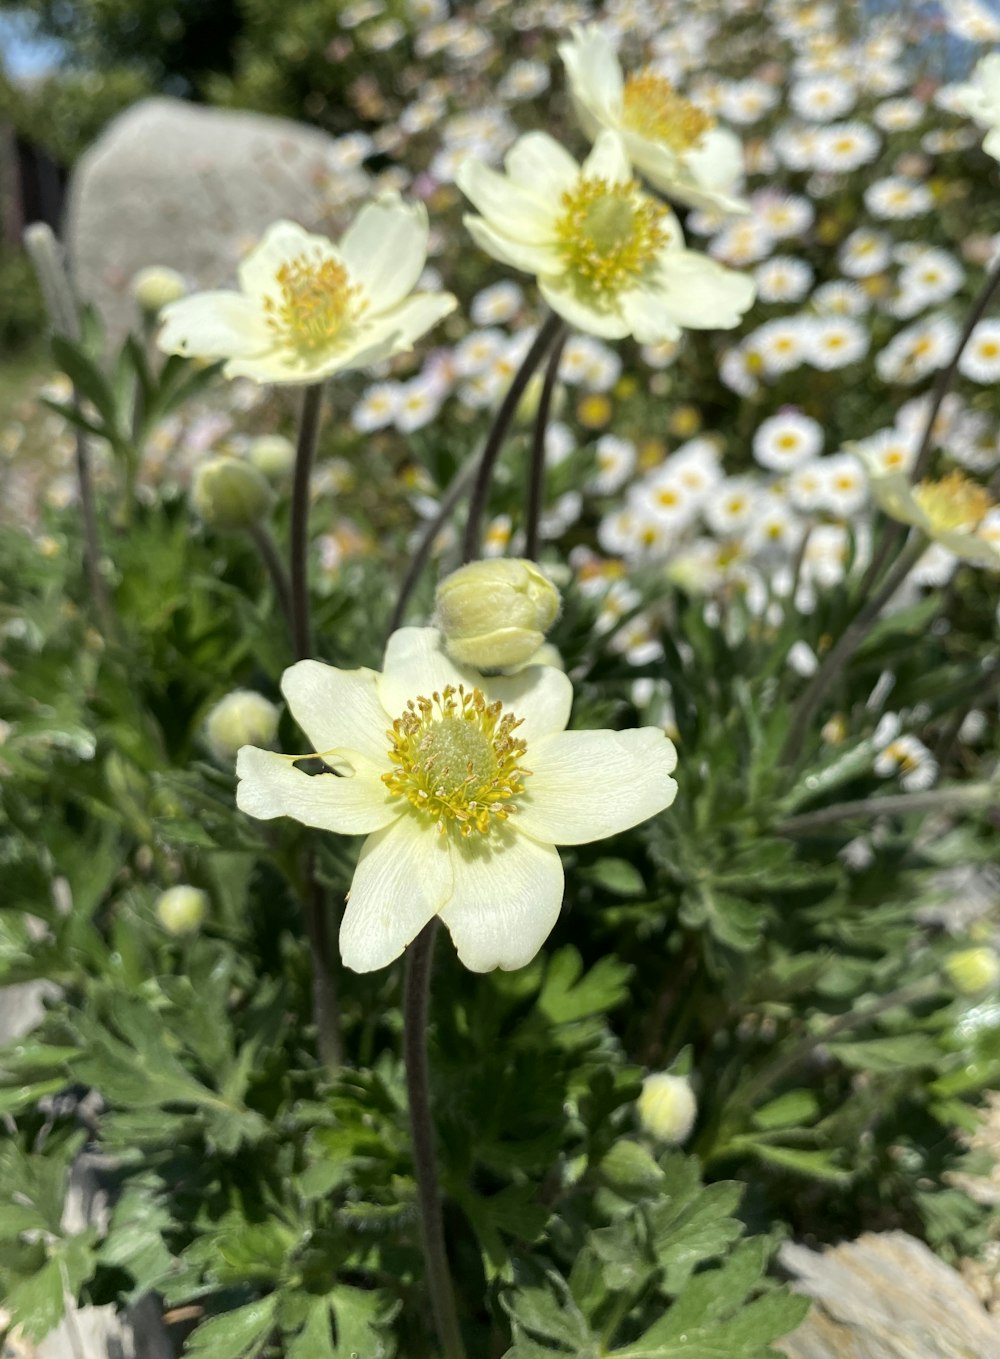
(20, 52)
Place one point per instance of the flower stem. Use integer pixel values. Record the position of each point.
(312, 402)
(326, 1006)
(459, 485)
(536, 473)
(416, 995)
(845, 647)
(895, 804)
(268, 550)
(501, 424)
(943, 384)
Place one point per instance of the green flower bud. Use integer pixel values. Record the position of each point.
(973, 970)
(273, 456)
(667, 1107)
(181, 909)
(242, 718)
(494, 614)
(230, 494)
(153, 288)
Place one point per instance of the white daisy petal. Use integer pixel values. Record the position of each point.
(403, 879)
(355, 804)
(586, 785)
(506, 899)
(338, 708)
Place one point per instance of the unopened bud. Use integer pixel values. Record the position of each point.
(181, 909)
(273, 456)
(495, 614)
(973, 970)
(156, 286)
(667, 1107)
(230, 494)
(242, 718)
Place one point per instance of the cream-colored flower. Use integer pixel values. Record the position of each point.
(463, 785)
(951, 511)
(980, 99)
(677, 146)
(308, 308)
(609, 258)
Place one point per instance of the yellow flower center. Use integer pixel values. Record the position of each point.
(316, 303)
(654, 109)
(609, 234)
(954, 502)
(457, 759)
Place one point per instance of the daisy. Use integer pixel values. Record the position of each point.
(822, 98)
(730, 509)
(786, 440)
(675, 144)
(918, 350)
(980, 359)
(609, 259)
(494, 305)
(909, 758)
(840, 148)
(377, 408)
(843, 485)
(835, 341)
(898, 115)
(865, 252)
(779, 345)
(308, 308)
(783, 278)
(840, 298)
(898, 198)
(615, 458)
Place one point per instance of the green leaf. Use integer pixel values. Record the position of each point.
(567, 995)
(629, 1168)
(796, 1109)
(89, 381)
(617, 876)
(899, 1052)
(240, 1334)
(36, 1304)
(817, 1165)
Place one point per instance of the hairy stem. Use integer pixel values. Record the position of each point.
(843, 650)
(498, 433)
(312, 402)
(416, 996)
(536, 473)
(895, 804)
(266, 546)
(326, 1006)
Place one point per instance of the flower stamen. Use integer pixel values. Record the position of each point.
(457, 759)
(654, 109)
(609, 235)
(317, 303)
(954, 502)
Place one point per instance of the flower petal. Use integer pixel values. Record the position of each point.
(701, 295)
(416, 315)
(532, 256)
(338, 708)
(608, 159)
(506, 899)
(648, 319)
(540, 695)
(585, 785)
(271, 786)
(214, 325)
(282, 243)
(595, 74)
(385, 249)
(415, 664)
(562, 298)
(538, 162)
(403, 878)
(509, 208)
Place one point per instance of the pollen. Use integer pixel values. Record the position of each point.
(654, 109)
(457, 760)
(954, 502)
(315, 303)
(609, 235)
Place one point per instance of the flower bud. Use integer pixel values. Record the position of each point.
(667, 1107)
(230, 494)
(181, 909)
(154, 287)
(972, 970)
(273, 456)
(495, 614)
(242, 718)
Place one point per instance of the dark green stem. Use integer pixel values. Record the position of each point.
(895, 804)
(844, 648)
(498, 433)
(536, 472)
(416, 997)
(268, 550)
(326, 1006)
(312, 402)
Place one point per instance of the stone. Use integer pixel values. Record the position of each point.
(885, 1296)
(178, 184)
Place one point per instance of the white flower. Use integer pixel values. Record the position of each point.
(786, 440)
(432, 762)
(609, 258)
(308, 308)
(836, 341)
(675, 144)
(950, 511)
(897, 198)
(980, 99)
(783, 278)
(980, 359)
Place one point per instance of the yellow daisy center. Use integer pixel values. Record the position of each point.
(457, 759)
(609, 234)
(954, 502)
(316, 302)
(654, 109)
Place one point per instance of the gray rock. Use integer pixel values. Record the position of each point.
(886, 1296)
(22, 1007)
(178, 184)
(98, 1333)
